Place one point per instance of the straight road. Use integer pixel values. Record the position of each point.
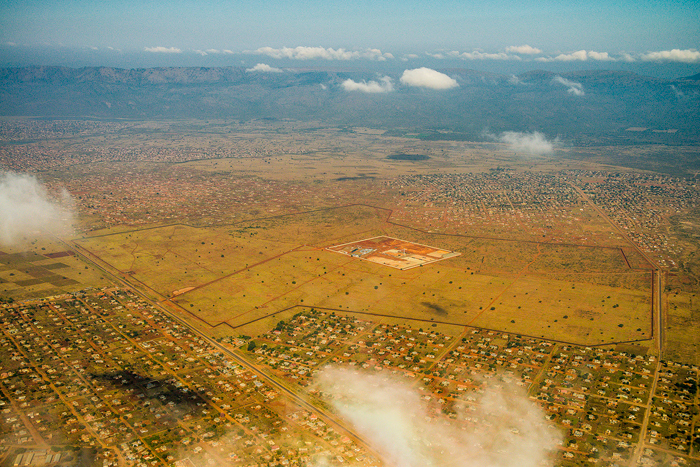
(656, 271)
(634, 460)
(657, 317)
(272, 380)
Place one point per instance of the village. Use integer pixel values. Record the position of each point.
(547, 206)
(103, 375)
(598, 397)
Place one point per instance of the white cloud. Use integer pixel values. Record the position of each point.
(574, 88)
(675, 55)
(26, 209)
(500, 428)
(574, 56)
(200, 52)
(165, 50)
(383, 85)
(600, 56)
(476, 55)
(227, 52)
(679, 94)
(580, 55)
(321, 53)
(262, 67)
(531, 143)
(427, 78)
(213, 51)
(523, 50)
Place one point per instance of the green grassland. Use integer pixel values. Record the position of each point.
(243, 278)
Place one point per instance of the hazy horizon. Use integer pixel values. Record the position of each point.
(657, 39)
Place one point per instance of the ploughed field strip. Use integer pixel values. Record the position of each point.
(393, 252)
(27, 268)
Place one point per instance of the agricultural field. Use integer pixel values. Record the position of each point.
(42, 268)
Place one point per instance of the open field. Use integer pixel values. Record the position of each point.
(244, 277)
(683, 322)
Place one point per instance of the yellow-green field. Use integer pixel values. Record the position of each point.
(243, 278)
(683, 318)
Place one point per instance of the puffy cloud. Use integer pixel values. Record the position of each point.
(600, 56)
(514, 80)
(675, 55)
(532, 143)
(427, 78)
(476, 55)
(165, 50)
(26, 209)
(523, 50)
(321, 53)
(574, 88)
(383, 85)
(262, 67)
(500, 428)
(580, 55)
(200, 52)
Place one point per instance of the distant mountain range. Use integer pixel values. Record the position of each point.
(593, 107)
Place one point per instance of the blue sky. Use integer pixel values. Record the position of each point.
(475, 33)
